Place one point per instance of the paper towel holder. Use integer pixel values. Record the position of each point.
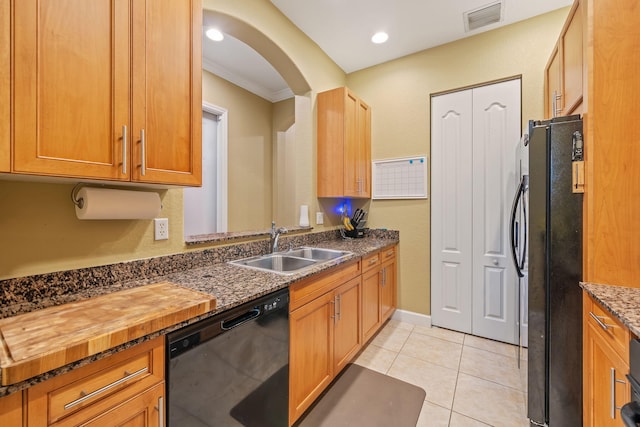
(79, 202)
(74, 195)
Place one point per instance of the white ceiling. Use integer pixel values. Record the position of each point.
(343, 30)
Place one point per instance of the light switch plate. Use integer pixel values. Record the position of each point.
(319, 218)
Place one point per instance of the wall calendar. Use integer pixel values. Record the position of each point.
(404, 178)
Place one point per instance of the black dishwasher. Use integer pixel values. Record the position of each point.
(232, 369)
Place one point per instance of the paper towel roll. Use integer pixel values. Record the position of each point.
(304, 216)
(106, 203)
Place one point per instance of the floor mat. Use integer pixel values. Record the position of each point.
(362, 397)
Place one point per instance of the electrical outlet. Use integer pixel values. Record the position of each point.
(319, 218)
(161, 226)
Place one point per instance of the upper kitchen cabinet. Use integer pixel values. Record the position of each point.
(344, 145)
(5, 86)
(564, 71)
(108, 89)
(612, 143)
(552, 85)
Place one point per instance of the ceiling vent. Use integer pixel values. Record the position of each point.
(482, 16)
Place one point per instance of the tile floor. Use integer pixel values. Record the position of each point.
(469, 381)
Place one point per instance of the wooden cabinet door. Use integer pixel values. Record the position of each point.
(5, 86)
(370, 303)
(167, 94)
(143, 410)
(357, 156)
(388, 290)
(364, 150)
(311, 353)
(351, 146)
(606, 388)
(11, 410)
(572, 62)
(612, 197)
(71, 87)
(344, 145)
(347, 330)
(553, 89)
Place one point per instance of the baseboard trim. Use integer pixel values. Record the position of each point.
(412, 317)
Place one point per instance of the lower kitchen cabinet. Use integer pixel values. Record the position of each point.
(325, 333)
(379, 290)
(606, 362)
(11, 410)
(126, 388)
(370, 303)
(311, 353)
(331, 317)
(388, 291)
(142, 410)
(347, 330)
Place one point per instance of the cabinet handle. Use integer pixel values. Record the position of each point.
(600, 322)
(101, 390)
(339, 306)
(160, 409)
(383, 280)
(143, 152)
(124, 149)
(335, 314)
(613, 392)
(554, 104)
(373, 261)
(389, 253)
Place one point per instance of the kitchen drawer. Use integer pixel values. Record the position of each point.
(94, 388)
(388, 253)
(371, 261)
(609, 327)
(309, 289)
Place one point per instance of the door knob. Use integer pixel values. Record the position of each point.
(495, 261)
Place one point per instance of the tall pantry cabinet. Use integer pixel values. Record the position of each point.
(612, 143)
(108, 89)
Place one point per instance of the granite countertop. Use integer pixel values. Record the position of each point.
(621, 301)
(231, 285)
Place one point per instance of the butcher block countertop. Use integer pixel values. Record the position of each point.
(79, 316)
(37, 342)
(621, 301)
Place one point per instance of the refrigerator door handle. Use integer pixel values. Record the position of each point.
(514, 209)
(525, 189)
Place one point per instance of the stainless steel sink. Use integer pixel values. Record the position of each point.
(278, 262)
(318, 254)
(291, 261)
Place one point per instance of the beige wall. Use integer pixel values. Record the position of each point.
(39, 232)
(399, 92)
(249, 148)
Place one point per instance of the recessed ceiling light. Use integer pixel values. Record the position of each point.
(380, 37)
(215, 34)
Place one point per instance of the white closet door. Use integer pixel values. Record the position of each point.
(496, 131)
(451, 216)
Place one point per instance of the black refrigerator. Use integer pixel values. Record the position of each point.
(555, 270)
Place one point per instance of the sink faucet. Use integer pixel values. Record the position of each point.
(275, 233)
